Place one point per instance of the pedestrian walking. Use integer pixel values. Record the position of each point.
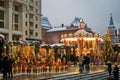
(1, 51)
(81, 67)
(86, 62)
(10, 62)
(116, 72)
(5, 67)
(109, 68)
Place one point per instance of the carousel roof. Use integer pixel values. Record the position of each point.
(82, 31)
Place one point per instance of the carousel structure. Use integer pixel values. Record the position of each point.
(85, 39)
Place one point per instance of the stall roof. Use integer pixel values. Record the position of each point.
(52, 45)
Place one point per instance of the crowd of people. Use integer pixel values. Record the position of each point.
(6, 68)
(112, 71)
(6, 62)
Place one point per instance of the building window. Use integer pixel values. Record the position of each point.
(36, 34)
(1, 3)
(26, 15)
(36, 3)
(36, 26)
(16, 8)
(26, 23)
(31, 16)
(30, 8)
(1, 24)
(1, 15)
(16, 18)
(36, 10)
(31, 23)
(16, 27)
(36, 18)
(26, 33)
(26, 8)
(31, 32)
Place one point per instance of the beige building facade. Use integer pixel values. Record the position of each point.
(20, 19)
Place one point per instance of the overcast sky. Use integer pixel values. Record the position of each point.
(96, 13)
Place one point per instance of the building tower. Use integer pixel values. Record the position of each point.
(20, 19)
(112, 29)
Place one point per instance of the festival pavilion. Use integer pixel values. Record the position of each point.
(85, 39)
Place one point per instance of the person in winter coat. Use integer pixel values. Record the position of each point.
(81, 67)
(116, 72)
(5, 67)
(10, 62)
(109, 68)
(86, 62)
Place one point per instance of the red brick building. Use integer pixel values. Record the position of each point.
(52, 35)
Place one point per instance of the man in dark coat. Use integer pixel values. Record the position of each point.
(10, 62)
(86, 62)
(116, 73)
(109, 68)
(5, 66)
(1, 51)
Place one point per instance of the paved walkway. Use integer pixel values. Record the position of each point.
(35, 76)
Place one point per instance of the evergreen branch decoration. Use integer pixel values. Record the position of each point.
(108, 47)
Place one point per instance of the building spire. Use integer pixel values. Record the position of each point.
(111, 20)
